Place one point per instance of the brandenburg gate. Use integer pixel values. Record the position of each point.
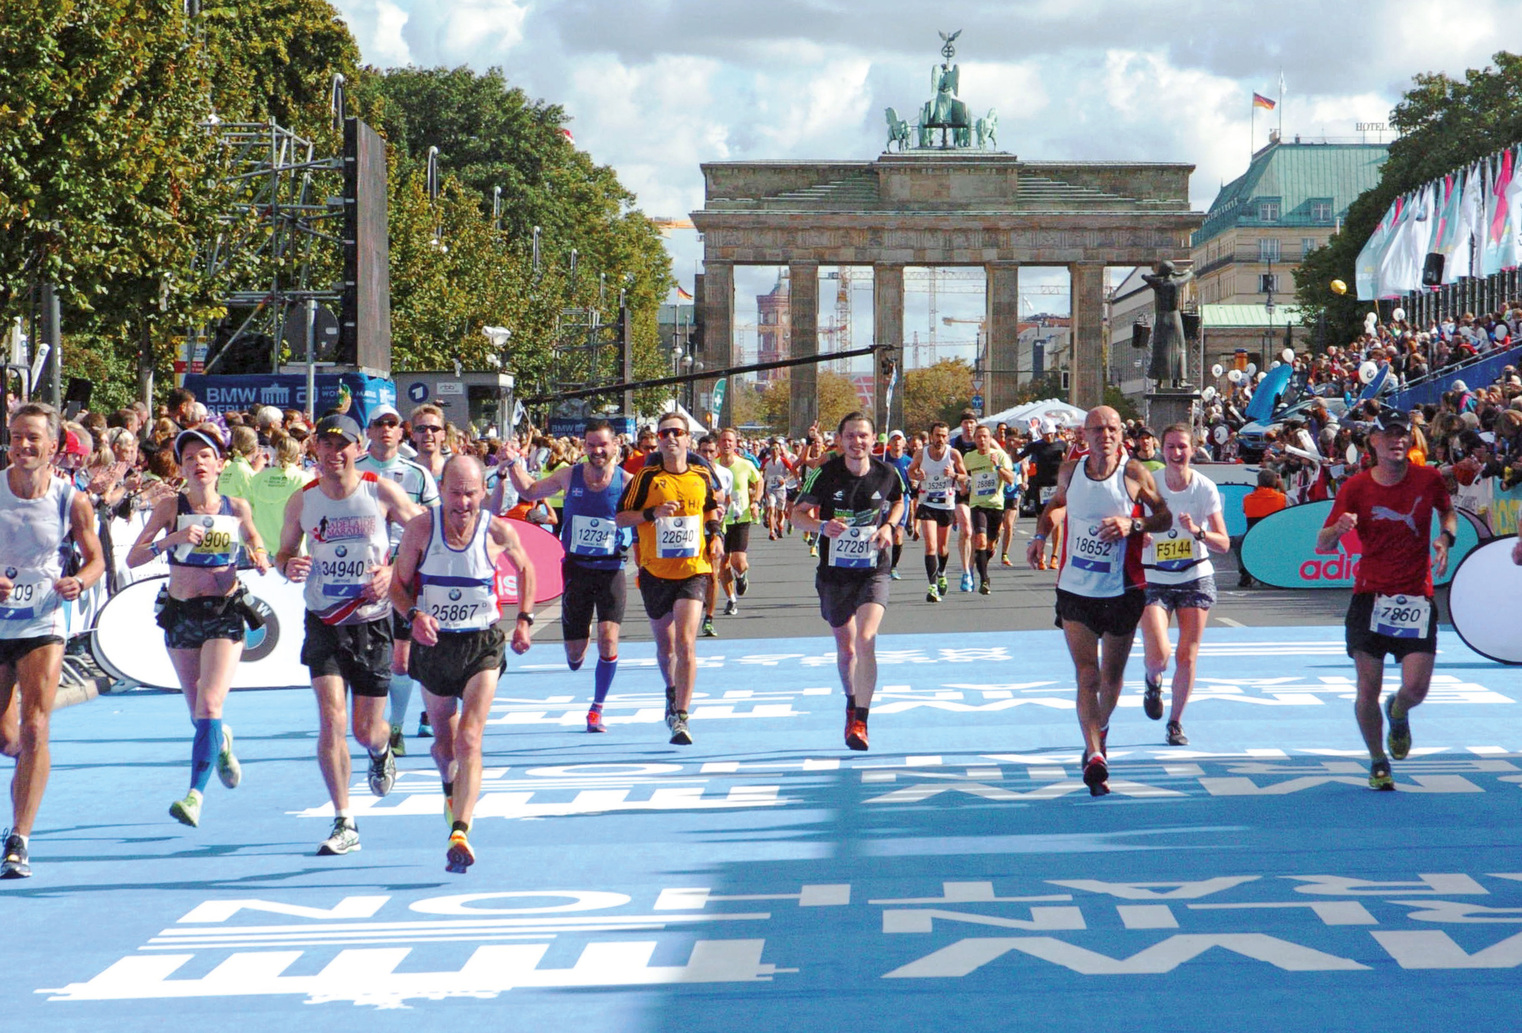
(937, 208)
(947, 200)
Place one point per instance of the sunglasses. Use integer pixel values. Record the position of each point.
(388, 424)
(672, 432)
(427, 428)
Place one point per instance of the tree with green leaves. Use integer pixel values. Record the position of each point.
(1444, 124)
(936, 393)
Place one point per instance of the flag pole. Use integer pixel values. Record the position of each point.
(1281, 105)
(1252, 130)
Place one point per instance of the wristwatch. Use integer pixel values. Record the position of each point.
(526, 617)
(1137, 525)
(412, 613)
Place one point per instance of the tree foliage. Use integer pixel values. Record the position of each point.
(936, 393)
(1444, 124)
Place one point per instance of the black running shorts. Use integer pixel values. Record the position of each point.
(360, 654)
(1113, 615)
(839, 600)
(445, 669)
(737, 537)
(661, 594)
(13, 649)
(987, 521)
(589, 593)
(943, 517)
(1360, 639)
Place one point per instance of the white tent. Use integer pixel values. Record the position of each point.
(694, 428)
(1054, 409)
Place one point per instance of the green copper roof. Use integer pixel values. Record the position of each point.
(1221, 316)
(1313, 184)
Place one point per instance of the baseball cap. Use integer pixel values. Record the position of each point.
(340, 426)
(72, 446)
(1393, 420)
(895, 434)
(1048, 426)
(381, 411)
(203, 433)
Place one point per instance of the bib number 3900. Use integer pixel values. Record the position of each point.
(1401, 616)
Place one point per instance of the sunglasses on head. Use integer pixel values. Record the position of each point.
(672, 432)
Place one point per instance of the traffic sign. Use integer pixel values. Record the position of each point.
(977, 384)
(977, 401)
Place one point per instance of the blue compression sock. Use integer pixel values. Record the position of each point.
(602, 680)
(203, 750)
(401, 698)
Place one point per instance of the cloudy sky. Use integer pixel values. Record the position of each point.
(655, 87)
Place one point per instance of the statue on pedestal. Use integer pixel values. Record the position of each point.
(944, 111)
(1169, 365)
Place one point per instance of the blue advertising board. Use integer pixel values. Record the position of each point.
(572, 426)
(245, 392)
(1280, 549)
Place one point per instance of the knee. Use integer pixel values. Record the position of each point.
(846, 652)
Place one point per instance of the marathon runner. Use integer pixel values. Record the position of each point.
(776, 472)
(895, 456)
(988, 471)
(342, 517)
(854, 504)
(1180, 577)
(383, 458)
(1099, 584)
(1047, 452)
(40, 515)
(965, 443)
(938, 471)
(1012, 492)
(593, 569)
(204, 608)
(672, 505)
(450, 554)
(741, 512)
(708, 448)
(429, 430)
(1391, 507)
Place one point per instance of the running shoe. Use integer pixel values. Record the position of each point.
(742, 583)
(16, 864)
(771, 536)
(708, 629)
(382, 773)
(1379, 776)
(967, 581)
(941, 584)
(424, 729)
(895, 575)
(856, 735)
(985, 588)
(398, 741)
(730, 608)
(460, 855)
(1399, 739)
(932, 596)
(594, 721)
(680, 736)
(1152, 697)
(188, 810)
(228, 768)
(1096, 774)
(1005, 560)
(1176, 736)
(343, 839)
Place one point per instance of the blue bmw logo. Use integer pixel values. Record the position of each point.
(341, 551)
(454, 595)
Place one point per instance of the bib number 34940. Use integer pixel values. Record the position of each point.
(1401, 616)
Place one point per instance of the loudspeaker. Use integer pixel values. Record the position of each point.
(1141, 334)
(1432, 270)
(1191, 325)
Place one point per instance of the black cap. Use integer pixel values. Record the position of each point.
(338, 425)
(1392, 420)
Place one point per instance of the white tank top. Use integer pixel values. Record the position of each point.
(938, 481)
(346, 537)
(458, 586)
(1091, 566)
(33, 533)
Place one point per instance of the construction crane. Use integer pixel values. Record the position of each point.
(666, 223)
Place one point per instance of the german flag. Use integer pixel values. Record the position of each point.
(1260, 101)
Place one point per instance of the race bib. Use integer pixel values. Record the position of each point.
(936, 490)
(1171, 553)
(985, 482)
(855, 549)
(678, 537)
(460, 607)
(218, 546)
(342, 568)
(1047, 493)
(1400, 616)
(32, 594)
(592, 536)
(1088, 551)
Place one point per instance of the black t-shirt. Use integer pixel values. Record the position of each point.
(1048, 456)
(860, 501)
(963, 445)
